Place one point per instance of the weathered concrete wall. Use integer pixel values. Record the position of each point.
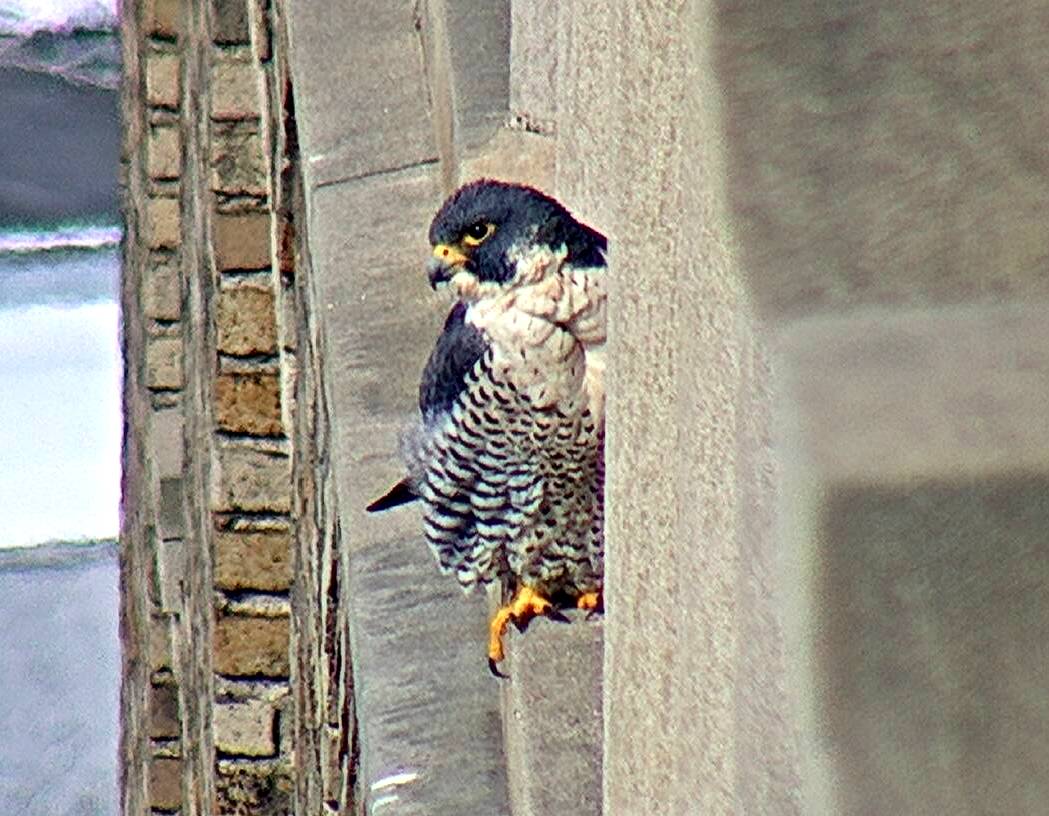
(694, 703)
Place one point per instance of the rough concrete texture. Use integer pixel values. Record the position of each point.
(885, 154)
(477, 39)
(368, 113)
(552, 717)
(695, 714)
(916, 445)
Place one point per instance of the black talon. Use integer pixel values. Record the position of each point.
(557, 616)
(493, 667)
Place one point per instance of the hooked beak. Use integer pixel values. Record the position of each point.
(445, 262)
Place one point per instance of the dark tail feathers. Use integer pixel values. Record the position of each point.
(400, 493)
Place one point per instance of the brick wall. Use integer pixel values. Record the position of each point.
(220, 396)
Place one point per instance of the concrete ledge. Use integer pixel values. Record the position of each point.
(552, 717)
(430, 742)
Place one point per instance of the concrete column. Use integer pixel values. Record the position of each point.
(694, 709)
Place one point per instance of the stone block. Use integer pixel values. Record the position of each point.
(261, 33)
(251, 646)
(533, 63)
(247, 788)
(552, 717)
(478, 47)
(255, 560)
(171, 508)
(165, 783)
(160, 652)
(164, 362)
(362, 115)
(249, 480)
(238, 159)
(875, 180)
(163, 18)
(166, 440)
(242, 241)
(235, 84)
(248, 403)
(164, 153)
(162, 223)
(229, 22)
(161, 285)
(244, 728)
(164, 718)
(246, 321)
(171, 572)
(925, 645)
(163, 83)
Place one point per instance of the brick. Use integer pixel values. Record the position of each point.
(164, 153)
(170, 515)
(230, 22)
(161, 287)
(162, 80)
(246, 321)
(166, 428)
(159, 643)
(162, 223)
(251, 646)
(164, 362)
(235, 85)
(251, 788)
(171, 572)
(164, 18)
(165, 783)
(260, 561)
(248, 403)
(164, 719)
(242, 241)
(261, 33)
(244, 728)
(238, 160)
(248, 480)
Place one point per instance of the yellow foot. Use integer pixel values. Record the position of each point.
(525, 605)
(589, 601)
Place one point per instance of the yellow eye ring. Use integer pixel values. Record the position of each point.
(477, 233)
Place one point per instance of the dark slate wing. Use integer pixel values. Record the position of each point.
(458, 348)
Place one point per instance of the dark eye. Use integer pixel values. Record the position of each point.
(475, 233)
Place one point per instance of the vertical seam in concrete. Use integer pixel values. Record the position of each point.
(432, 24)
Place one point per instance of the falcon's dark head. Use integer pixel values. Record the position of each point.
(484, 223)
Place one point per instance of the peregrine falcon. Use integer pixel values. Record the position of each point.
(508, 460)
